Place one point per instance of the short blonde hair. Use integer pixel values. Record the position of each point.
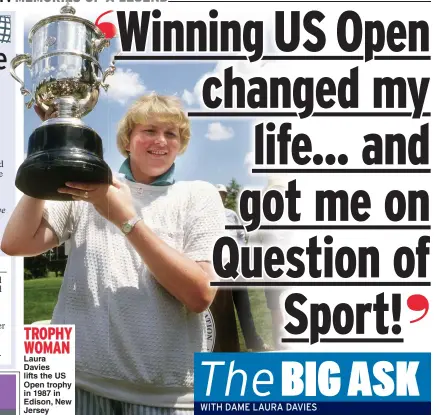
(162, 108)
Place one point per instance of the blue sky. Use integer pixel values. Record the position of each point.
(215, 161)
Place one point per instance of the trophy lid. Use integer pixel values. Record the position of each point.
(67, 14)
(68, 9)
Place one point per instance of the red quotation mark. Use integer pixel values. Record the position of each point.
(418, 302)
(107, 28)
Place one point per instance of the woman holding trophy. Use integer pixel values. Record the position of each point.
(138, 273)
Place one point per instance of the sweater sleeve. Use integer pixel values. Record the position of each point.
(60, 217)
(206, 222)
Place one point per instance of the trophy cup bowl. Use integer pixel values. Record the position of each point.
(66, 77)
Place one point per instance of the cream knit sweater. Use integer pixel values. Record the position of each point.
(134, 341)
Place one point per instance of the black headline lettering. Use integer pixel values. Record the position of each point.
(331, 205)
(3, 59)
(382, 151)
(417, 93)
(190, 36)
(360, 200)
(376, 36)
(250, 205)
(294, 32)
(259, 92)
(213, 34)
(405, 261)
(267, 152)
(396, 206)
(275, 262)
(341, 319)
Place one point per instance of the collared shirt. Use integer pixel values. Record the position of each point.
(166, 179)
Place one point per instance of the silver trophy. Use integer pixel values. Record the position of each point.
(66, 77)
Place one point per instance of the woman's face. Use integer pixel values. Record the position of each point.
(153, 147)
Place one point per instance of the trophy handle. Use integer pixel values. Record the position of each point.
(100, 44)
(15, 63)
(108, 72)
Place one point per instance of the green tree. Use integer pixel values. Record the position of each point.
(36, 267)
(233, 190)
(53, 260)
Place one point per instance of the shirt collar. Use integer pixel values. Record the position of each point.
(166, 179)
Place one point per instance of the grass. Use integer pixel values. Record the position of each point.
(261, 316)
(40, 297)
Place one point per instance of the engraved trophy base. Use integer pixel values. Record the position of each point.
(61, 150)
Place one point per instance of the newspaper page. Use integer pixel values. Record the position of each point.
(218, 206)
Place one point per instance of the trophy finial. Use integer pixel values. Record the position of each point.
(68, 9)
